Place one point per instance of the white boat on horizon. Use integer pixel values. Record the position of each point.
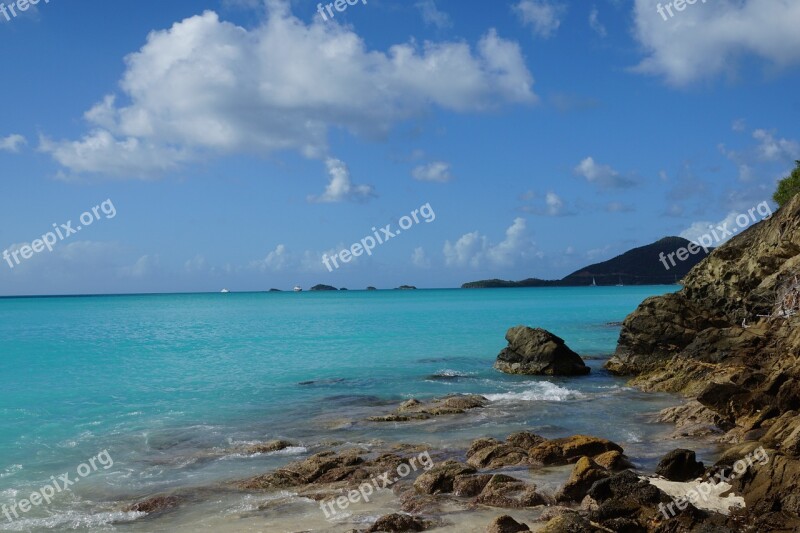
(297, 289)
(224, 291)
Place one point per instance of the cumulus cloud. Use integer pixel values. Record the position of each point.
(475, 250)
(341, 188)
(436, 171)
(542, 16)
(706, 39)
(433, 16)
(207, 87)
(603, 176)
(12, 143)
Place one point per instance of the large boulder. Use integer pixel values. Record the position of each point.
(538, 352)
(680, 465)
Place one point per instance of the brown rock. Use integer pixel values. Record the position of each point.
(506, 491)
(396, 523)
(538, 352)
(479, 444)
(583, 476)
(680, 465)
(441, 478)
(613, 461)
(268, 447)
(498, 456)
(524, 439)
(569, 449)
(506, 524)
(470, 485)
(156, 504)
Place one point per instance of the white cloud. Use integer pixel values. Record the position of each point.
(206, 87)
(433, 16)
(436, 171)
(145, 266)
(419, 259)
(603, 176)
(276, 260)
(475, 250)
(341, 188)
(706, 39)
(768, 149)
(195, 264)
(12, 143)
(595, 24)
(555, 205)
(551, 204)
(543, 17)
(772, 149)
(739, 125)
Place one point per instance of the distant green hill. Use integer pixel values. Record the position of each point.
(640, 266)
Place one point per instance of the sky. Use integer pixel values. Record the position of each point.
(202, 145)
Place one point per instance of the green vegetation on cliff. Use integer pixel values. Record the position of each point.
(788, 187)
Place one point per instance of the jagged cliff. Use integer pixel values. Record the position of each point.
(730, 339)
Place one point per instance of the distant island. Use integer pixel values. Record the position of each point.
(321, 287)
(406, 288)
(640, 266)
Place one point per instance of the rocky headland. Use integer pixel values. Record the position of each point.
(729, 341)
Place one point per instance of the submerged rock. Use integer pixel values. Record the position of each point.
(156, 504)
(413, 409)
(538, 352)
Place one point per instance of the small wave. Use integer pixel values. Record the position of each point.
(10, 471)
(449, 375)
(70, 520)
(544, 391)
(291, 450)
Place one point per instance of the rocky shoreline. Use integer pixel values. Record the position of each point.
(727, 342)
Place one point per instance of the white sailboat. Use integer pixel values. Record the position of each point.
(594, 283)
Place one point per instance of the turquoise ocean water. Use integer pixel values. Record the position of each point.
(174, 386)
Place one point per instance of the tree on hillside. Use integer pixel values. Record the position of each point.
(788, 186)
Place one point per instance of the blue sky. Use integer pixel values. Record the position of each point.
(239, 141)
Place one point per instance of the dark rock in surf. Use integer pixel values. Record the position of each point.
(538, 352)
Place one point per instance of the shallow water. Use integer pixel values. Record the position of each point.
(175, 386)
